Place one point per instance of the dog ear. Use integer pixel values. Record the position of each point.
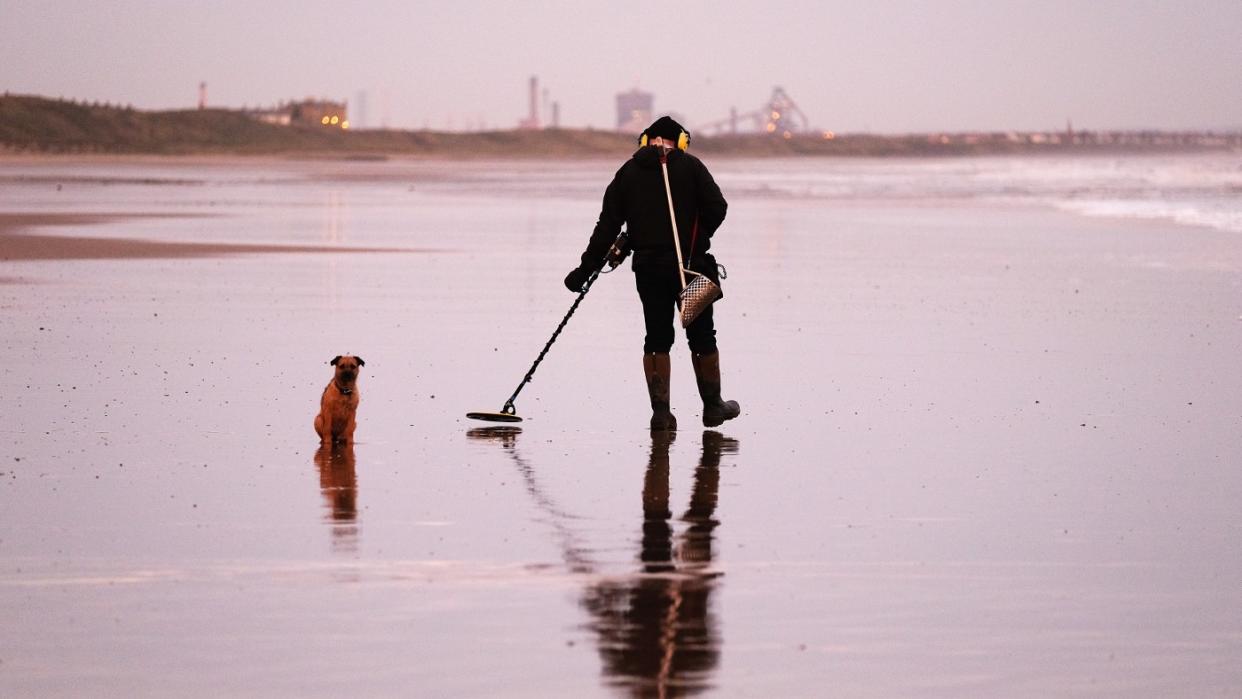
(360, 362)
(335, 359)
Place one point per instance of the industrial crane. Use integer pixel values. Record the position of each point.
(780, 115)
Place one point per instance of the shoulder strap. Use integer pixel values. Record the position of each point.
(668, 192)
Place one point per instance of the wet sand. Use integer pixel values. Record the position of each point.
(985, 451)
(17, 245)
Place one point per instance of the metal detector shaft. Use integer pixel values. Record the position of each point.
(615, 252)
(581, 294)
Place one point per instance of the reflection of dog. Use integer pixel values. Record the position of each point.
(338, 480)
(335, 421)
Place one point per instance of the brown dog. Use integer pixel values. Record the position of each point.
(335, 421)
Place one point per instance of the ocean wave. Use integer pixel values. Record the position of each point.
(1196, 190)
(1208, 215)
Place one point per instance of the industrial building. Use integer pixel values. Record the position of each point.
(307, 112)
(634, 110)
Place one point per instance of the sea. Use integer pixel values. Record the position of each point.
(1191, 189)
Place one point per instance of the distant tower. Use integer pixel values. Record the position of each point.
(634, 110)
(534, 102)
(556, 115)
(532, 120)
(202, 95)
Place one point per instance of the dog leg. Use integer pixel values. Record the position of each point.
(325, 437)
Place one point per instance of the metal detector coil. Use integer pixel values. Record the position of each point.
(507, 414)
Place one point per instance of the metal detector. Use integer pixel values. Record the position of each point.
(616, 255)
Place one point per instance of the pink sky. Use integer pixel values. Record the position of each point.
(884, 66)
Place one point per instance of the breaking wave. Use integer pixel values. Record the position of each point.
(1199, 190)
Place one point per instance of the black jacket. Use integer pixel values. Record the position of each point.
(636, 199)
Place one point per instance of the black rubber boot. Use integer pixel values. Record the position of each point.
(658, 371)
(707, 372)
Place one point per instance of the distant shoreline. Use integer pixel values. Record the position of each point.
(38, 127)
(19, 156)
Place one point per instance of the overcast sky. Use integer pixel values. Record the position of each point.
(850, 65)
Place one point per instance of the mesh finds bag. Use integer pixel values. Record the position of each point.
(696, 297)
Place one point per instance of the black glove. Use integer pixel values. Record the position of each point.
(575, 280)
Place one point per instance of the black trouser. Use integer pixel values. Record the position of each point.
(658, 286)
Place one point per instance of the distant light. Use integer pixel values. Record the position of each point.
(775, 115)
(345, 124)
(771, 127)
(787, 135)
(335, 119)
(325, 121)
(829, 135)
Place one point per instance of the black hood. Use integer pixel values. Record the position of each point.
(648, 157)
(666, 128)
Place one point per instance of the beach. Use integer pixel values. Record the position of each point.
(989, 442)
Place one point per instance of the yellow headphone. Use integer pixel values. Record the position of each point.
(683, 140)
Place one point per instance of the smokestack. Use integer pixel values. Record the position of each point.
(533, 119)
(202, 95)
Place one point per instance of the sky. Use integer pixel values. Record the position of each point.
(880, 66)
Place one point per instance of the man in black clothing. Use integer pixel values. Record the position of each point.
(636, 198)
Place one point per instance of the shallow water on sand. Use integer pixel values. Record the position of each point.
(985, 449)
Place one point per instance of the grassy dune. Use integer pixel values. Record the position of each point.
(30, 124)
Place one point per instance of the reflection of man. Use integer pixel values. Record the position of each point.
(657, 634)
(338, 481)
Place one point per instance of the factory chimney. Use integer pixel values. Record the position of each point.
(532, 119)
